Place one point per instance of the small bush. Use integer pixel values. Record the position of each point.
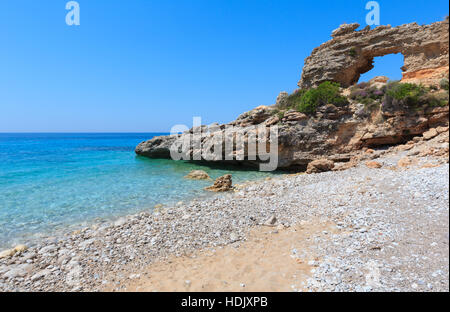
(404, 94)
(280, 115)
(325, 93)
(412, 96)
(367, 95)
(293, 100)
(434, 100)
(360, 94)
(444, 84)
(352, 52)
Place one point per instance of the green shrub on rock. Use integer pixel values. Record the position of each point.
(307, 100)
(325, 93)
(407, 95)
(403, 94)
(444, 84)
(293, 99)
(407, 92)
(434, 100)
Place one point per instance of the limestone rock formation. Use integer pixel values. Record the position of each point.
(430, 134)
(332, 132)
(294, 116)
(282, 99)
(351, 53)
(335, 133)
(344, 29)
(254, 117)
(158, 147)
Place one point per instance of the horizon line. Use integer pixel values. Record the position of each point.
(77, 132)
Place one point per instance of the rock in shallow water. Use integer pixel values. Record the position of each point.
(197, 175)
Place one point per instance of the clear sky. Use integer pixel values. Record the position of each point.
(142, 65)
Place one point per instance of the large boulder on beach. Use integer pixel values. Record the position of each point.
(197, 175)
(222, 184)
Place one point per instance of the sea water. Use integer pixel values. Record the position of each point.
(55, 182)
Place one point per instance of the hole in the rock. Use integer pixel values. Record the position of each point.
(388, 65)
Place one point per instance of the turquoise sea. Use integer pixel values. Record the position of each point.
(58, 182)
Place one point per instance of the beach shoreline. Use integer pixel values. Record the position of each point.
(39, 238)
(387, 220)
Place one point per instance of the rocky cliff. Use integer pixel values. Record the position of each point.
(351, 53)
(368, 119)
(334, 133)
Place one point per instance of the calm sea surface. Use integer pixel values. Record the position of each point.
(54, 182)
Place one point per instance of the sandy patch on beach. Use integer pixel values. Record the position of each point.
(272, 259)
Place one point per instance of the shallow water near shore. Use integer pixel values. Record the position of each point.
(57, 182)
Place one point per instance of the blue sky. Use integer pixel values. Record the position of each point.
(141, 65)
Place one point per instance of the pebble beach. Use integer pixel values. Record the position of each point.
(387, 230)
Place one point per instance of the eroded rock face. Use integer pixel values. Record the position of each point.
(335, 133)
(158, 147)
(344, 29)
(350, 53)
(282, 99)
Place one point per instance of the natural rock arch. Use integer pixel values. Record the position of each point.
(351, 53)
(389, 64)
